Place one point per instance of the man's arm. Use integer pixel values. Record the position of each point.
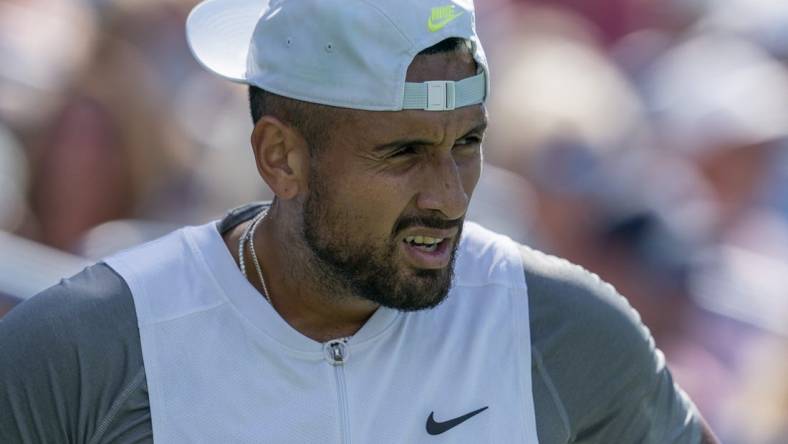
(598, 362)
(71, 365)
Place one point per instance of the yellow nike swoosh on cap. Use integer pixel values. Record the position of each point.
(441, 16)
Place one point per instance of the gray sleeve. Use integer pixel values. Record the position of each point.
(596, 368)
(71, 365)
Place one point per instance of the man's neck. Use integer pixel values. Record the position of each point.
(295, 293)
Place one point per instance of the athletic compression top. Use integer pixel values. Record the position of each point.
(72, 369)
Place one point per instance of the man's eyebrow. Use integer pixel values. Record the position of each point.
(400, 142)
(478, 129)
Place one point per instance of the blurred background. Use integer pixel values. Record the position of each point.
(646, 140)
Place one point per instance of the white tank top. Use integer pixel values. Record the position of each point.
(223, 366)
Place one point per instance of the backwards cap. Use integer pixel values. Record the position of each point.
(344, 53)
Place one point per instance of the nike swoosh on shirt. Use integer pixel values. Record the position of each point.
(436, 428)
(436, 24)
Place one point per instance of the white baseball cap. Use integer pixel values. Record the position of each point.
(344, 53)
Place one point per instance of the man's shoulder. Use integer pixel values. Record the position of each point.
(96, 298)
(577, 318)
(594, 362)
(67, 355)
(565, 294)
(84, 319)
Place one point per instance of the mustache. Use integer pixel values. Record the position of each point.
(437, 223)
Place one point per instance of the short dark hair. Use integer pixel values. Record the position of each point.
(449, 45)
(303, 116)
(306, 117)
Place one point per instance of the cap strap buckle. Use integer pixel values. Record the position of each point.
(440, 95)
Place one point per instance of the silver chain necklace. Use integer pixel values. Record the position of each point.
(248, 236)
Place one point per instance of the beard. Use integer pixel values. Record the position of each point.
(366, 268)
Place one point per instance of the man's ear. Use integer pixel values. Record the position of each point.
(282, 157)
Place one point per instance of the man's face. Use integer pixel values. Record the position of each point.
(388, 194)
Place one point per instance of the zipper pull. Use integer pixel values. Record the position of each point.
(336, 352)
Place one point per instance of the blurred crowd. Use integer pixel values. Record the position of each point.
(646, 140)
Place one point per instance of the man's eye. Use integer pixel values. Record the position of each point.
(404, 151)
(468, 141)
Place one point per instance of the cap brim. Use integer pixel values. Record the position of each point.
(219, 33)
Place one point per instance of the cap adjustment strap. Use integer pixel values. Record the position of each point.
(445, 95)
(440, 95)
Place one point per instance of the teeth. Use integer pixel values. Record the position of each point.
(431, 247)
(423, 240)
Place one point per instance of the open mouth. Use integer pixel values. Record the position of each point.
(428, 252)
(424, 243)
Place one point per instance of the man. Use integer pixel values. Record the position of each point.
(358, 306)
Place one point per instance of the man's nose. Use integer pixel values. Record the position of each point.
(442, 189)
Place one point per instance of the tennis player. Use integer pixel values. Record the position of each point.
(357, 307)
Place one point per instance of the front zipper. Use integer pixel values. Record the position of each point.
(337, 356)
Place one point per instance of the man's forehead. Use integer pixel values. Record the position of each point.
(378, 128)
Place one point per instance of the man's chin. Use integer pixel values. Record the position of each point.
(413, 306)
(424, 289)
